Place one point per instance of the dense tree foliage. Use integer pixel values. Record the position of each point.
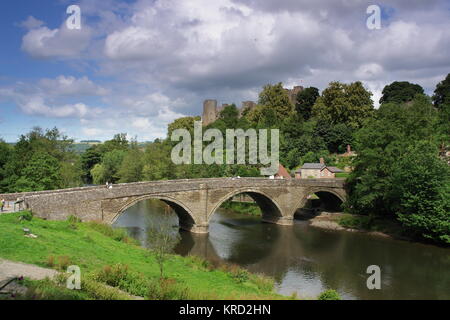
(349, 104)
(305, 101)
(400, 92)
(393, 164)
(441, 97)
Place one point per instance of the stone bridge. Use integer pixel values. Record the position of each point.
(193, 200)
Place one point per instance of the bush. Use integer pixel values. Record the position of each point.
(64, 262)
(73, 222)
(120, 276)
(50, 261)
(100, 291)
(329, 295)
(26, 216)
(356, 222)
(167, 289)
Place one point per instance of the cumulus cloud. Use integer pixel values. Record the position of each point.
(68, 85)
(61, 42)
(31, 23)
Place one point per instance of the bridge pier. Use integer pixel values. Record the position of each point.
(282, 221)
(196, 228)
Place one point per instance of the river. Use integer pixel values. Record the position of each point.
(308, 260)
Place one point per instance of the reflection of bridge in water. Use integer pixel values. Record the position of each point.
(194, 201)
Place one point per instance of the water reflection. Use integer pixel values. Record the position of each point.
(307, 260)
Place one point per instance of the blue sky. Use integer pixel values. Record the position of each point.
(137, 65)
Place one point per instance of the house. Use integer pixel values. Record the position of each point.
(282, 173)
(316, 171)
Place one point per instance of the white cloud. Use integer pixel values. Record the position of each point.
(31, 23)
(68, 85)
(43, 42)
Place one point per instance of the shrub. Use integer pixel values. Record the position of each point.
(100, 291)
(64, 262)
(26, 216)
(113, 275)
(50, 261)
(329, 295)
(73, 221)
(167, 289)
(120, 276)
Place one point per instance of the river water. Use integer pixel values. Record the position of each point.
(308, 260)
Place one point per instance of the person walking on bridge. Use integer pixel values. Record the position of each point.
(2, 205)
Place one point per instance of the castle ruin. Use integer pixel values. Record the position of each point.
(211, 111)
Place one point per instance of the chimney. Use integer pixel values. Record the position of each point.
(322, 161)
(349, 148)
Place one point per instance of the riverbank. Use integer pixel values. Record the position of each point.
(357, 223)
(108, 256)
(248, 208)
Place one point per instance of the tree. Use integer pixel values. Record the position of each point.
(6, 152)
(421, 192)
(70, 174)
(131, 168)
(111, 163)
(118, 142)
(275, 102)
(400, 92)
(41, 173)
(183, 123)
(380, 144)
(305, 101)
(162, 239)
(230, 116)
(158, 164)
(441, 95)
(98, 174)
(89, 159)
(349, 104)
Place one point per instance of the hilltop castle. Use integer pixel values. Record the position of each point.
(211, 111)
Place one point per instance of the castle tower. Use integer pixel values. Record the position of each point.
(209, 112)
(246, 105)
(292, 93)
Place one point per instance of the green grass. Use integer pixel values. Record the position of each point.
(342, 174)
(94, 247)
(243, 207)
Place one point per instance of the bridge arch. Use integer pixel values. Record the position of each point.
(321, 193)
(184, 213)
(271, 210)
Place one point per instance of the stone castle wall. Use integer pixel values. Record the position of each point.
(211, 111)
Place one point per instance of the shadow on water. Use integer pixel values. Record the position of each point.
(307, 260)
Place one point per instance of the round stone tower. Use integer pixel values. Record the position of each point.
(209, 112)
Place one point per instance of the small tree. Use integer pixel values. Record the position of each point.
(162, 238)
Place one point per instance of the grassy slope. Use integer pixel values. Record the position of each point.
(91, 250)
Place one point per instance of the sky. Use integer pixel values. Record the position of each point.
(135, 66)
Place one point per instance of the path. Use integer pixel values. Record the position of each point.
(10, 270)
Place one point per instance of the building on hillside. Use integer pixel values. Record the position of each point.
(349, 152)
(282, 173)
(316, 171)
